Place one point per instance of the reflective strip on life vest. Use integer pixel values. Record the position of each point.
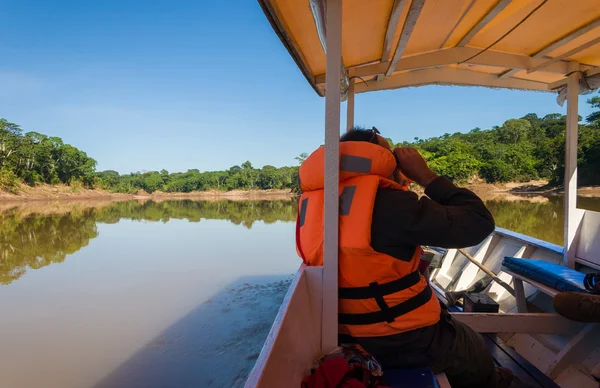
(357, 164)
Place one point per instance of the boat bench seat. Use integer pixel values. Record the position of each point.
(414, 378)
(554, 276)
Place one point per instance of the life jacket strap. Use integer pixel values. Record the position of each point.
(384, 315)
(385, 309)
(374, 290)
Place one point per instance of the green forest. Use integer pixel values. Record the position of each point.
(521, 149)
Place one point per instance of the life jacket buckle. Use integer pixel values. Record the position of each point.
(385, 309)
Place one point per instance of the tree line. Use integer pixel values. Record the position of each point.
(244, 177)
(32, 157)
(521, 149)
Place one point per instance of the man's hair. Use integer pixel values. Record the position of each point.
(360, 134)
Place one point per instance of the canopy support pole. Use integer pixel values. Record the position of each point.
(572, 214)
(329, 330)
(350, 106)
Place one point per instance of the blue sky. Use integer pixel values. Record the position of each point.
(146, 85)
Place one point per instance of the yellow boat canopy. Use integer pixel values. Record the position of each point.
(390, 44)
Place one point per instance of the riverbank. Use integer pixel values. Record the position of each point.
(533, 191)
(45, 192)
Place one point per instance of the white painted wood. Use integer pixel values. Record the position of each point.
(518, 323)
(498, 292)
(443, 380)
(332, 156)
(314, 284)
(520, 295)
(350, 106)
(586, 263)
(318, 11)
(389, 35)
(592, 363)
(294, 341)
(546, 255)
(486, 271)
(469, 273)
(409, 24)
(449, 76)
(492, 13)
(549, 341)
(453, 263)
(532, 350)
(572, 215)
(391, 29)
(588, 247)
(573, 377)
(441, 295)
(596, 371)
(545, 289)
(442, 275)
(455, 55)
(569, 53)
(592, 72)
(557, 43)
(578, 348)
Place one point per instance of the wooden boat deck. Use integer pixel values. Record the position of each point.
(526, 374)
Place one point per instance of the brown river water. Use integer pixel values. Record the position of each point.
(176, 293)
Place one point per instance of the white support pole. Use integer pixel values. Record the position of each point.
(572, 216)
(333, 67)
(350, 106)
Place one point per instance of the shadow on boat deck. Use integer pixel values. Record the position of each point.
(215, 345)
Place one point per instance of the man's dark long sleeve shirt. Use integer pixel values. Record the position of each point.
(451, 217)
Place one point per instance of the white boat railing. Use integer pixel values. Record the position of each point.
(294, 342)
(312, 300)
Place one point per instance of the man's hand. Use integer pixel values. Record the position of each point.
(413, 166)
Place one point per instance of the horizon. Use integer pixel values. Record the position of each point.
(145, 86)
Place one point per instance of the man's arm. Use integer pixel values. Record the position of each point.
(450, 218)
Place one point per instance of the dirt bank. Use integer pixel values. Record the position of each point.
(533, 191)
(63, 192)
(216, 195)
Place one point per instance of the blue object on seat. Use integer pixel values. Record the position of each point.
(413, 378)
(549, 274)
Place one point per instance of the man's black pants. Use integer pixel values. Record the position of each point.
(448, 346)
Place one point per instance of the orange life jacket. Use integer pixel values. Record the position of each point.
(379, 295)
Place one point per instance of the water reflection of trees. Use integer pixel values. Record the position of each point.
(36, 241)
(238, 212)
(32, 239)
(542, 220)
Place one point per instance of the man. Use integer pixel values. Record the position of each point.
(385, 304)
